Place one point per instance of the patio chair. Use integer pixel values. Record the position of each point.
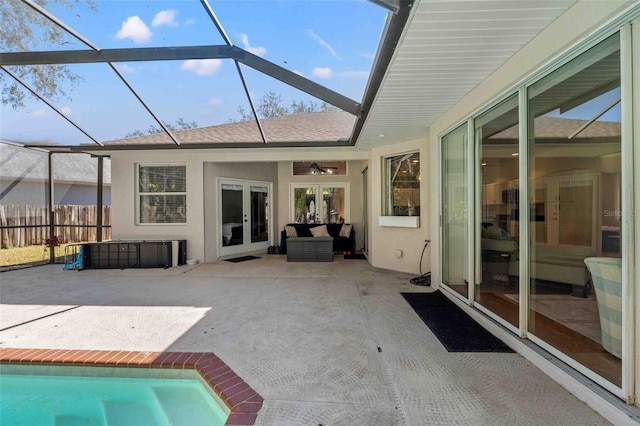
(606, 274)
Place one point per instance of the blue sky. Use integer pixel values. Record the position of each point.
(332, 42)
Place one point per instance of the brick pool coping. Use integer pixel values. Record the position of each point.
(243, 402)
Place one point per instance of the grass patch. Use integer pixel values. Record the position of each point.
(28, 255)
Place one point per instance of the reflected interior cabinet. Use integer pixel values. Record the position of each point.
(570, 209)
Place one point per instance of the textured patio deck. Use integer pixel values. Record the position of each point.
(322, 345)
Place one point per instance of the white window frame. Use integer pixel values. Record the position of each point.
(319, 185)
(392, 220)
(139, 194)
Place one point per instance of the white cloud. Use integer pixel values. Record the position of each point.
(189, 22)
(202, 66)
(165, 17)
(324, 44)
(135, 29)
(367, 55)
(298, 72)
(37, 113)
(66, 110)
(259, 51)
(215, 102)
(127, 69)
(321, 72)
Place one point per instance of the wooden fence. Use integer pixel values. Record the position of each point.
(34, 215)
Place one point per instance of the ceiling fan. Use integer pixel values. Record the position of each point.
(315, 169)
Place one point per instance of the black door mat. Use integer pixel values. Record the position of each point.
(242, 258)
(354, 256)
(455, 329)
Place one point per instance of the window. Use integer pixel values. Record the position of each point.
(305, 168)
(401, 185)
(162, 196)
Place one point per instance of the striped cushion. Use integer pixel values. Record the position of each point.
(606, 274)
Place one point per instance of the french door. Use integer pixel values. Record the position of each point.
(244, 212)
(319, 203)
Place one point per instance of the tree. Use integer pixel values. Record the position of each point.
(271, 105)
(180, 124)
(24, 30)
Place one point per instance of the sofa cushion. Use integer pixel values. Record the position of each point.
(345, 230)
(320, 231)
(290, 231)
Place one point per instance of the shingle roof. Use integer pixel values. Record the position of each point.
(561, 128)
(30, 164)
(308, 127)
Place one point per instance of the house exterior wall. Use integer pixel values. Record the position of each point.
(203, 166)
(123, 206)
(576, 25)
(353, 178)
(386, 242)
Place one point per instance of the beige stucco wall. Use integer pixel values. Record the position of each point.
(203, 166)
(385, 243)
(123, 199)
(353, 178)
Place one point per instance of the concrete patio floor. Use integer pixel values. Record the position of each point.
(323, 343)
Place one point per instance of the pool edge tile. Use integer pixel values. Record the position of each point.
(242, 401)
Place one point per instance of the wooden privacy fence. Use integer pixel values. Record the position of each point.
(23, 216)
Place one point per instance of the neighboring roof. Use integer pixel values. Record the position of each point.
(31, 164)
(561, 128)
(314, 127)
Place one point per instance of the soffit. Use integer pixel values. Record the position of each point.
(447, 49)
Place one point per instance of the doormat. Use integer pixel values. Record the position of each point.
(242, 258)
(455, 329)
(354, 256)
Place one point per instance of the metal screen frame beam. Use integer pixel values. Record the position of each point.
(142, 54)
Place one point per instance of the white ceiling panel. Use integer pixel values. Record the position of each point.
(447, 49)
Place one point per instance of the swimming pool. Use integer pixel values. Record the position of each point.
(65, 400)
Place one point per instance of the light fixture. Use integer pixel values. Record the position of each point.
(484, 163)
(515, 154)
(381, 135)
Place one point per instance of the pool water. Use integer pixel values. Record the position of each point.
(71, 400)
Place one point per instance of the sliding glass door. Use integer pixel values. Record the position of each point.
(455, 210)
(496, 133)
(575, 167)
(548, 208)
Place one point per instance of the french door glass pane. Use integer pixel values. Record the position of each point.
(497, 138)
(232, 215)
(455, 210)
(575, 168)
(305, 205)
(332, 205)
(259, 214)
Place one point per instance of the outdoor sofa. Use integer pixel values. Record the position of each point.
(341, 244)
